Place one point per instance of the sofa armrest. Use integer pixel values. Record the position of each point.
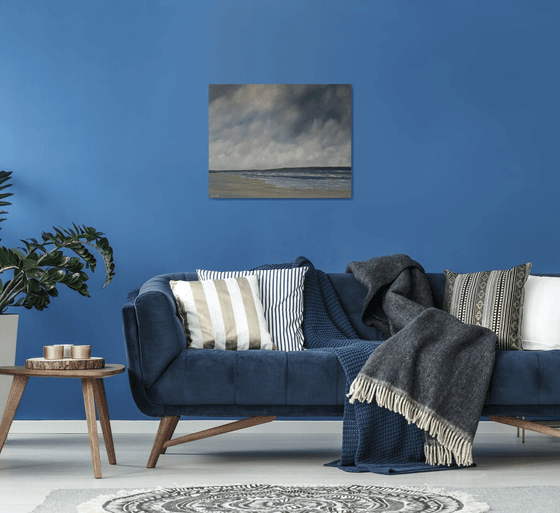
(160, 333)
(130, 331)
(132, 348)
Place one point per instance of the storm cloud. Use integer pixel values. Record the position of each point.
(265, 126)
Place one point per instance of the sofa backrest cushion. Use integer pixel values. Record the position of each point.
(352, 294)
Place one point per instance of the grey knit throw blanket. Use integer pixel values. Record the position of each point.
(432, 369)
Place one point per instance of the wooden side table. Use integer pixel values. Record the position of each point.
(94, 394)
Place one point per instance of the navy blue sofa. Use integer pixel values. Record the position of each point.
(168, 380)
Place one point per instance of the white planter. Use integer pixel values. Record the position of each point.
(8, 339)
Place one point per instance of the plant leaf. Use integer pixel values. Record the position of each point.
(40, 266)
(4, 179)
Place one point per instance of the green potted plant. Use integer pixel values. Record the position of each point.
(34, 271)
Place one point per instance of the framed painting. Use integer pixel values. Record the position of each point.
(280, 140)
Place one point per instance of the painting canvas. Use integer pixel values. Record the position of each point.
(280, 141)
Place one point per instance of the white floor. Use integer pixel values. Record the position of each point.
(33, 464)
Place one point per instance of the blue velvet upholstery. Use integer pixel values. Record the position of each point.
(351, 294)
(302, 378)
(166, 378)
(160, 332)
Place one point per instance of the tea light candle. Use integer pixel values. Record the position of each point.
(81, 352)
(53, 352)
(67, 350)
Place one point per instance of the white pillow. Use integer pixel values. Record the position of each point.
(540, 329)
(281, 292)
(222, 314)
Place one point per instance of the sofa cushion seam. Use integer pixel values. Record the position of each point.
(539, 377)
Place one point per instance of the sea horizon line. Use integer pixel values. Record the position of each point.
(312, 168)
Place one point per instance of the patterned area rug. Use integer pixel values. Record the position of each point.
(284, 499)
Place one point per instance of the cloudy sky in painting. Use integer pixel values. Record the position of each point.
(263, 126)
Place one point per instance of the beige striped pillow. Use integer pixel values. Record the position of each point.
(493, 299)
(222, 314)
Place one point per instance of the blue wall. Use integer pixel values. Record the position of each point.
(104, 121)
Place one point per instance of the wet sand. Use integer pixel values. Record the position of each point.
(230, 186)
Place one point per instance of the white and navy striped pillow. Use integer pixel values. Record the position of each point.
(222, 314)
(281, 292)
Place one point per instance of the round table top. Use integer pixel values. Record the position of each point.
(110, 369)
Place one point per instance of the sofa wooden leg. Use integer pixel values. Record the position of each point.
(544, 427)
(165, 431)
(226, 428)
(169, 435)
(167, 426)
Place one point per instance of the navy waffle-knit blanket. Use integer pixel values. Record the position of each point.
(375, 439)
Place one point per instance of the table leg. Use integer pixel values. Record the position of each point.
(88, 388)
(103, 412)
(16, 392)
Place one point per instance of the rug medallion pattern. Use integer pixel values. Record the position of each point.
(283, 499)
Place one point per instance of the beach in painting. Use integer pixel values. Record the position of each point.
(308, 182)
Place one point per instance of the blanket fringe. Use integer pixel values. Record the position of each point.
(448, 444)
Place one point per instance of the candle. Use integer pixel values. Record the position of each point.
(81, 352)
(53, 352)
(67, 350)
